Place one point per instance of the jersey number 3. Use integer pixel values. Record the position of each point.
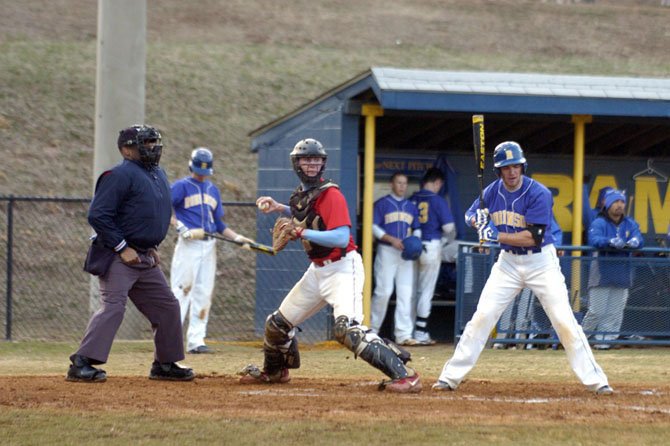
(423, 212)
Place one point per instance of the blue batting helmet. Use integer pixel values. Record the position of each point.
(201, 161)
(508, 153)
(412, 248)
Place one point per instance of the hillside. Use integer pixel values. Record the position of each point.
(219, 69)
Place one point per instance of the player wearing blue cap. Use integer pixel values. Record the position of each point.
(614, 234)
(395, 218)
(518, 216)
(197, 210)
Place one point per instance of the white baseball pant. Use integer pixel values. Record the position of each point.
(192, 281)
(542, 274)
(428, 272)
(393, 272)
(339, 284)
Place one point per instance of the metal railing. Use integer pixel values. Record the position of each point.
(646, 311)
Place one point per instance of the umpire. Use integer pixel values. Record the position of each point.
(130, 214)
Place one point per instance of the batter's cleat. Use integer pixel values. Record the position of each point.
(408, 384)
(442, 386)
(81, 370)
(407, 342)
(170, 371)
(605, 390)
(199, 350)
(251, 374)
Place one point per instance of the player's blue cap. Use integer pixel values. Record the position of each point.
(412, 248)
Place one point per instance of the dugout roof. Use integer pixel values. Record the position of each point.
(431, 110)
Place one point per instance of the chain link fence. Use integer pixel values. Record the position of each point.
(48, 296)
(644, 305)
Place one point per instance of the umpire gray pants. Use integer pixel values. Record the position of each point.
(148, 289)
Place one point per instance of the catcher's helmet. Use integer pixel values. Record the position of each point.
(141, 136)
(308, 148)
(412, 248)
(201, 161)
(508, 153)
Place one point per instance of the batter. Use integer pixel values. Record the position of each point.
(517, 215)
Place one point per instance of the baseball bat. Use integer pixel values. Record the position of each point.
(478, 139)
(265, 249)
(479, 145)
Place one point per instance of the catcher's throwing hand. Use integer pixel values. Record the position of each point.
(268, 204)
(283, 232)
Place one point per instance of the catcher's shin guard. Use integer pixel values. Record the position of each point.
(371, 348)
(280, 346)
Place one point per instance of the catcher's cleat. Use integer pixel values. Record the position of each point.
(408, 384)
(442, 386)
(605, 390)
(82, 371)
(170, 371)
(251, 374)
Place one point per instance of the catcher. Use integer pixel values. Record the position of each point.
(320, 219)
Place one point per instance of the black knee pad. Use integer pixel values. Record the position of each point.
(340, 328)
(280, 346)
(277, 329)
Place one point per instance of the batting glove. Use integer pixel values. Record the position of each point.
(481, 218)
(194, 234)
(488, 233)
(634, 242)
(617, 242)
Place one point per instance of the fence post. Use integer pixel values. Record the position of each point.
(10, 231)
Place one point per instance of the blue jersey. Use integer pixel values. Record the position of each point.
(397, 218)
(512, 211)
(434, 213)
(198, 204)
(612, 273)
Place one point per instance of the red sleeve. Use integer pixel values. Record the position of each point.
(332, 207)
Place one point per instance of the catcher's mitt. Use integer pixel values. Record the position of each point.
(283, 232)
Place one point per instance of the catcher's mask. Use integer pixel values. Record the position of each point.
(308, 148)
(147, 140)
(201, 161)
(508, 153)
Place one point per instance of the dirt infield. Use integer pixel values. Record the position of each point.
(475, 402)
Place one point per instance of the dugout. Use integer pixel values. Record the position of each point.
(580, 133)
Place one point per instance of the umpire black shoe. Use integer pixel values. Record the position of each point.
(81, 370)
(170, 371)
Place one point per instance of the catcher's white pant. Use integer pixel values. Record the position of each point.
(392, 271)
(339, 284)
(542, 274)
(428, 272)
(192, 282)
(606, 305)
